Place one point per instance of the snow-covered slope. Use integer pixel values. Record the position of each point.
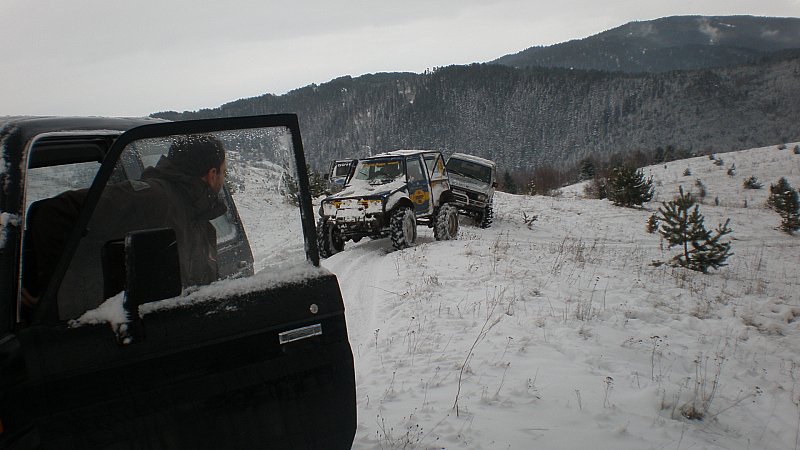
(559, 333)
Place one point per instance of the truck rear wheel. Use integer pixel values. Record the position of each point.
(329, 239)
(403, 225)
(446, 226)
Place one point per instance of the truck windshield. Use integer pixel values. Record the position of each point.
(379, 171)
(342, 169)
(470, 169)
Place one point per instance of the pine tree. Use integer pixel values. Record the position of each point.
(701, 189)
(752, 183)
(628, 186)
(784, 199)
(652, 224)
(682, 225)
(290, 190)
(587, 169)
(508, 183)
(316, 183)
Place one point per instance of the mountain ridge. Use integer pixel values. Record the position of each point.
(524, 118)
(668, 43)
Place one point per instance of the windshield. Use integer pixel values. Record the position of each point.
(342, 169)
(470, 169)
(379, 171)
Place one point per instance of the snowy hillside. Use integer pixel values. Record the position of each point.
(559, 333)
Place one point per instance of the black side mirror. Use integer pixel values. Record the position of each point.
(152, 272)
(494, 184)
(152, 267)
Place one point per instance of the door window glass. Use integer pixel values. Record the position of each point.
(252, 227)
(414, 170)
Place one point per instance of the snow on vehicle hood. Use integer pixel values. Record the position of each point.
(112, 312)
(363, 188)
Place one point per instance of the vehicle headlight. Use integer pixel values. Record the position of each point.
(329, 208)
(482, 197)
(371, 205)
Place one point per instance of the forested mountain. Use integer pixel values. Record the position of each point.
(671, 43)
(526, 118)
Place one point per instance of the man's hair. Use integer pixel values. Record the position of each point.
(196, 154)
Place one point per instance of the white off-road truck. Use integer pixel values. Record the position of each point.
(386, 196)
(473, 181)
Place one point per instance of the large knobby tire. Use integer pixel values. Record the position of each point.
(485, 218)
(329, 240)
(403, 226)
(446, 225)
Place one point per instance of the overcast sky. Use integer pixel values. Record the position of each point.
(133, 58)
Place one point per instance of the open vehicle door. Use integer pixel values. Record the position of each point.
(257, 359)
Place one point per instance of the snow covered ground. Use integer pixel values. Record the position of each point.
(552, 329)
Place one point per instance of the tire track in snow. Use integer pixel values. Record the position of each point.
(359, 269)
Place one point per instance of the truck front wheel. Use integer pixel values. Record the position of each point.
(484, 219)
(446, 226)
(403, 225)
(329, 239)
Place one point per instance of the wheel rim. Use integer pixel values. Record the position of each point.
(452, 224)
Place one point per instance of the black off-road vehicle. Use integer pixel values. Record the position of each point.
(474, 180)
(387, 195)
(117, 354)
(338, 173)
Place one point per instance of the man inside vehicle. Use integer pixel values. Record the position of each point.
(181, 192)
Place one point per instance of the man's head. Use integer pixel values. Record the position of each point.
(200, 155)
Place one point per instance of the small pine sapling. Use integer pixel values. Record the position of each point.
(509, 185)
(719, 162)
(316, 182)
(597, 187)
(701, 189)
(290, 191)
(652, 224)
(682, 225)
(752, 183)
(627, 186)
(531, 188)
(797, 149)
(784, 199)
(732, 170)
(687, 172)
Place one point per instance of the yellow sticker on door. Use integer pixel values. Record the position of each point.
(419, 196)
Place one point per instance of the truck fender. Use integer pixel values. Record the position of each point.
(446, 197)
(396, 199)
